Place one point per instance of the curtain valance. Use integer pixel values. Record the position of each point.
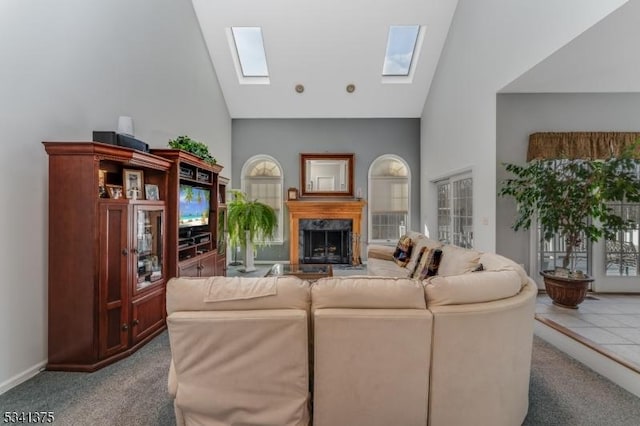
(587, 145)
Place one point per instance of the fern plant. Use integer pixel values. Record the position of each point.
(196, 148)
(245, 215)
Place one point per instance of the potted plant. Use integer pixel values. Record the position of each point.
(250, 223)
(196, 148)
(571, 198)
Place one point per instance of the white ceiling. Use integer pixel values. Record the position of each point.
(602, 59)
(324, 45)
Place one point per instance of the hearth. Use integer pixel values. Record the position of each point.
(325, 240)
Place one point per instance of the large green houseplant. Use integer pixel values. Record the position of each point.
(250, 223)
(571, 198)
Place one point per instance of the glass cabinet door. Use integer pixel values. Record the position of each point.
(148, 230)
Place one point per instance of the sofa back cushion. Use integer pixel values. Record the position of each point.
(237, 293)
(472, 287)
(496, 262)
(360, 292)
(457, 260)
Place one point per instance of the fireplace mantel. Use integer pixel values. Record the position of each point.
(324, 210)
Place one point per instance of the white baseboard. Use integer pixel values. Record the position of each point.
(21, 377)
(601, 364)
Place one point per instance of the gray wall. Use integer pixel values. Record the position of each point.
(285, 139)
(519, 115)
(69, 68)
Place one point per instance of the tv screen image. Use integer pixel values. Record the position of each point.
(194, 206)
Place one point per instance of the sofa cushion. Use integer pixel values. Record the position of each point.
(402, 254)
(474, 287)
(366, 292)
(192, 294)
(377, 251)
(428, 263)
(457, 260)
(420, 241)
(385, 268)
(496, 262)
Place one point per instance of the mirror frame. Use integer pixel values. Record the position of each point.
(324, 156)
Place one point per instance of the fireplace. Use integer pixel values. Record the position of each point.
(325, 240)
(339, 216)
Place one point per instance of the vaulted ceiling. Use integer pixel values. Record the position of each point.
(324, 46)
(330, 44)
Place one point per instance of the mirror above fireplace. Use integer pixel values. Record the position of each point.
(326, 175)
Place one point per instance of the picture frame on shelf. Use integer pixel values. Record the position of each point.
(133, 181)
(292, 194)
(151, 192)
(114, 191)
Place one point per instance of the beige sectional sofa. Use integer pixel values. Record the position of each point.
(374, 350)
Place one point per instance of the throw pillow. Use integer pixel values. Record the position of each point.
(428, 263)
(479, 268)
(402, 254)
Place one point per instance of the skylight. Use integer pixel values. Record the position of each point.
(401, 46)
(250, 49)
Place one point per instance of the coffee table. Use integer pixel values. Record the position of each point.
(305, 271)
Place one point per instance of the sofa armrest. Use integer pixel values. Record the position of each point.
(378, 251)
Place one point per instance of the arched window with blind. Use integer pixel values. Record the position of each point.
(261, 179)
(389, 201)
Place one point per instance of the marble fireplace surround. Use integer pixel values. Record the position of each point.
(345, 209)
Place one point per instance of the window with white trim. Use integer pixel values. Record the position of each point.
(455, 210)
(622, 255)
(388, 202)
(262, 180)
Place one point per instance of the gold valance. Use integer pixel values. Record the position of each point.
(586, 145)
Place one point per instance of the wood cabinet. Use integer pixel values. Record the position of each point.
(107, 257)
(193, 204)
(223, 230)
(199, 266)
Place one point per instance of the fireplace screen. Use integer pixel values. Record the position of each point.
(325, 241)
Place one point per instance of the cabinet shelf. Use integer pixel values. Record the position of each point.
(118, 302)
(193, 254)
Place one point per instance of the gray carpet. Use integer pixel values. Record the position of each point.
(134, 392)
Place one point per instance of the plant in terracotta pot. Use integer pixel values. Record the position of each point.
(571, 198)
(250, 223)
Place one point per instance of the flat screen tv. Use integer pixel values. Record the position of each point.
(194, 206)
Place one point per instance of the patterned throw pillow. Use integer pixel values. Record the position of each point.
(428, 263)
(402, 254)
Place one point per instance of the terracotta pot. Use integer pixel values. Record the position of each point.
(567, 292)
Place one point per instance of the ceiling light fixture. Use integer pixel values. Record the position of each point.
(351, 88)
(299, 88)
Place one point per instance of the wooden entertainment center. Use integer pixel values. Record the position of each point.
(111, 252)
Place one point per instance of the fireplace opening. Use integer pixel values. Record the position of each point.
(325, 241)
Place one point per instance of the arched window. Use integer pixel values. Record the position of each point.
(261, 180)
(389, 201)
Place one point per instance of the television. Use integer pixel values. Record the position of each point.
(194, 206)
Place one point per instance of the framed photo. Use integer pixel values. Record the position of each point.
(133, 182)
(292, 194)
(151, 192)
(114, 191)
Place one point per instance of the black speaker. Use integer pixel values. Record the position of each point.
(131, 142)
(105, 137)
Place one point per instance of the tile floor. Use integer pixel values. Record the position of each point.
(609, 321)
